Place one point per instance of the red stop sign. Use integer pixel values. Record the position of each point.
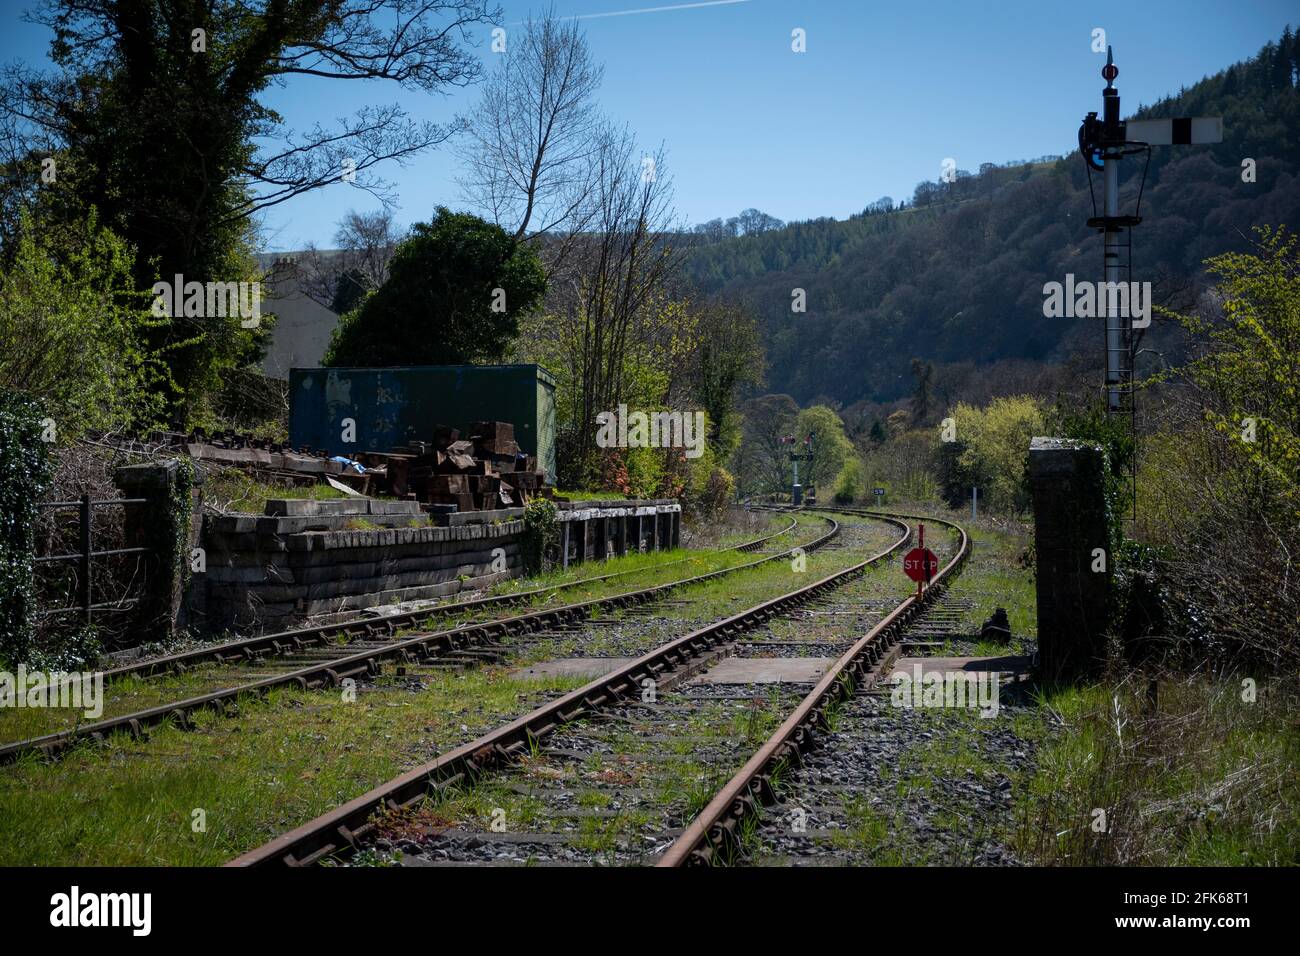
(921, 564)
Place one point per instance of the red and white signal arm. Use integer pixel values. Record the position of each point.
(1177, 131)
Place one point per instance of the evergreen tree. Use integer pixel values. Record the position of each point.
(455, 291)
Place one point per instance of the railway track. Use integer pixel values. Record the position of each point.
(717, 834)
(597, 774)
(310, 658)
(262, 646)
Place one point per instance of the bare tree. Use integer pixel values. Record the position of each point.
(533, 149)
(751, 222)
(769, 420)
(607, 304)
(364, 245)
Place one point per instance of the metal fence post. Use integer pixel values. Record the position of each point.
(86, 551)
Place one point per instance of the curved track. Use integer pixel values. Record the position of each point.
(262, 646)
(338, 833)
(329, 669)
(715, 834)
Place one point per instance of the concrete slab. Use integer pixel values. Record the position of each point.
(1008, 664)
(766, 670)
(572, 667)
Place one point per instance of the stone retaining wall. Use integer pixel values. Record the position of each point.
(307, 558)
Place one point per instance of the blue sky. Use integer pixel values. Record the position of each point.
(885, 91)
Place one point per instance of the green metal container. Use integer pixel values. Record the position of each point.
(388, 407)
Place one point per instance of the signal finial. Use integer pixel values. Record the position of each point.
(1110, 70)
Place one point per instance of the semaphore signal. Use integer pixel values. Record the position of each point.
(1104, 143)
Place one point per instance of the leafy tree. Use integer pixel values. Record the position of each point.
(1250, 368)
(158, 112)
(74, 329)
(851, 481)
(904, 464)
(455, 291)
(829, 446)
(718, 354)
(350, 289)
(995, 448)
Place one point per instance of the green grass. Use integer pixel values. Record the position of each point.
(1207, 779)
(133, 694)
(870, 832)
(994, 577)
(592, 495)
(284, 761)
(753, 529)
(291, 756)
(681, 783)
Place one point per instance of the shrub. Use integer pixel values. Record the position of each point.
(73, 330)
(850, 483)
(25, 474)
(1220, 486)
(541, 534)
(710, 502)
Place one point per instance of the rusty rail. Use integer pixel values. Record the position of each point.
(715, 832)
(419, 648)
(339, 831)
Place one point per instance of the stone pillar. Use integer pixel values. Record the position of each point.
(151, 524)
(1067, 479)
(564, 545)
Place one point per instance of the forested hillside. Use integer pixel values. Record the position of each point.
(955, 273)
